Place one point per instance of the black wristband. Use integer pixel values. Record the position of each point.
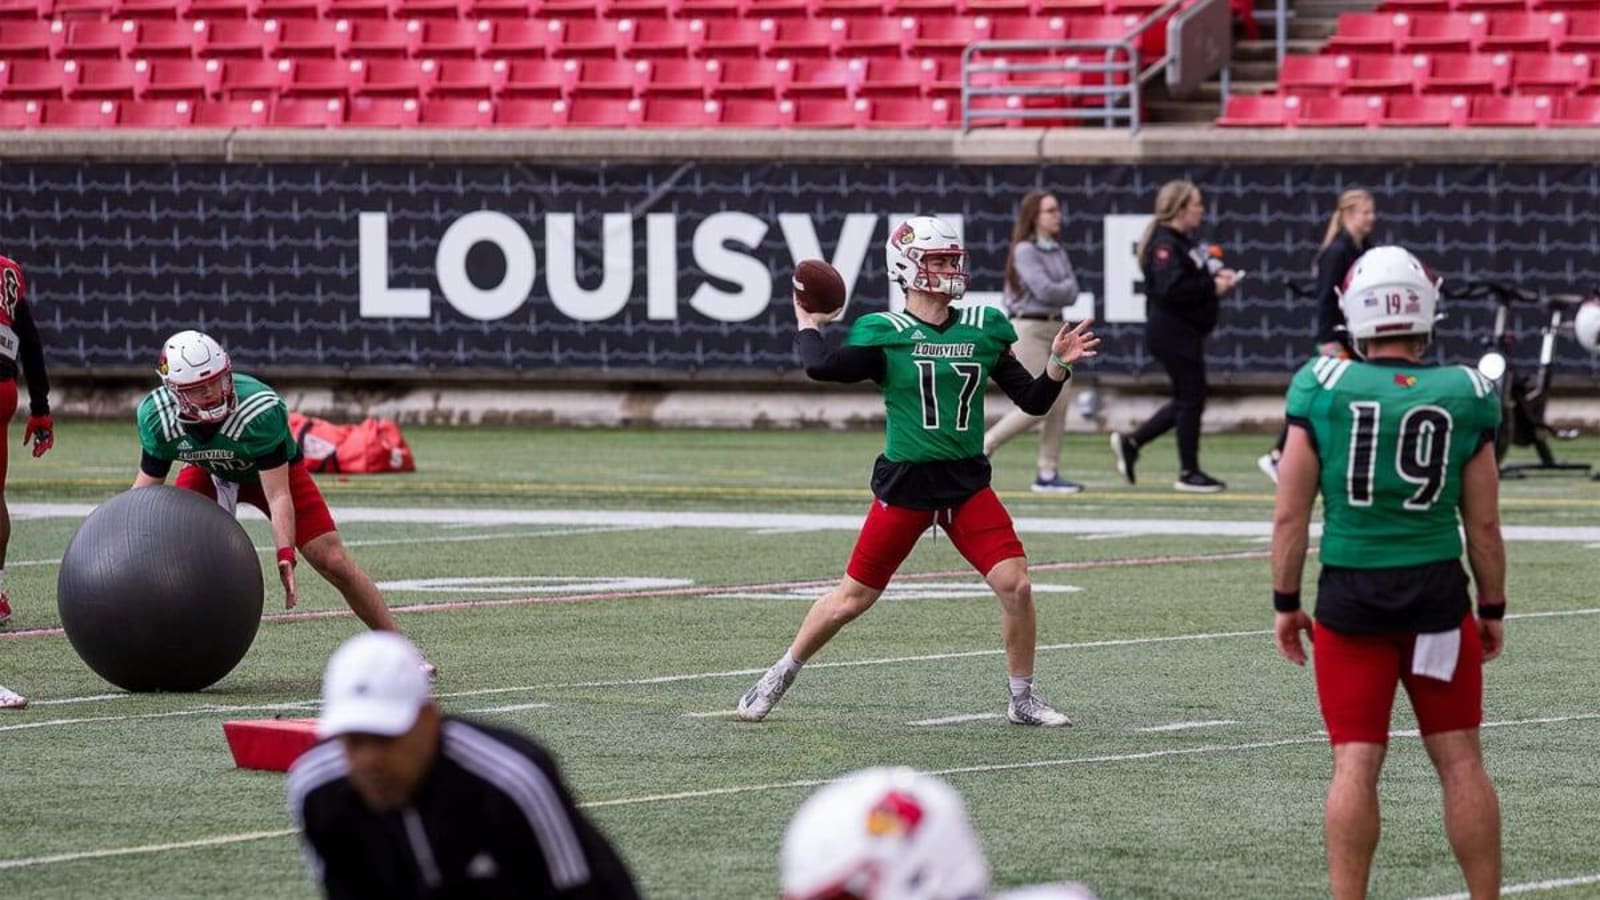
(1286, 602)
(1492, 611)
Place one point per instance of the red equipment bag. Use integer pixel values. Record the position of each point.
(375, 445)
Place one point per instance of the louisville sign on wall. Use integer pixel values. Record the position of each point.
(624, 269)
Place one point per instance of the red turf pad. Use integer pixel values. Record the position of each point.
(269, 744)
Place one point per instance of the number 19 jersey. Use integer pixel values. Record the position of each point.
(1393, 439)
(934, 379)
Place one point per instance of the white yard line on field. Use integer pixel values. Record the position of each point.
(1529, 887)
(515, 707)
(147, 848)
(1185, 726)
(295, 706)
(953, 720)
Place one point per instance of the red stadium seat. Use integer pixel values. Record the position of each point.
(1508, 112)
(78, 114)
(23, 40)
(181, 79)
(947, 7)
(383, 112)
(514, 10)
(380, 37)
(1444, 33)
(162, 38)
(822, 112)
(23, 11)
(1427, 111)
(96, 10)
(211, 11)
(308, 112)
(98, 39)
(1546, 72)
(107, 79)
(36, 79)
(1385, 74)
(1338, 112)
(640, 11)
(1306, 75)
(468, 78)
(562, 9)
(670, 39)
(544, 79)
(849, 10)
(821, 78)
(1488, 5)
(751, 112)
(805, 37)
(677, 112)
(1043, 28)
(710, 9)
(1254, 111)
(752, 77)
(1044, 7)
(723, 38)
(775, 9)
(161, 114)
(251, 79)
(603, 112)
(19, 113)
(1358, 32)
(358, 10)
(677, 77)
(996, 112)
(151, 10)
(597, 37)
(449, 38)
(1577, 112)
(1456, 73)
(231, 114)
(290, 9)
(1581, 34)
(323, 78)
(457, 112)
(882, 36)
(308, 38)
(948, 36)
(427, 10)
(1520, 31)
(400, 78)
(944, 78)
(912, 113)
(522, 38)
(893, 77)
(253, 40)
(607, 78)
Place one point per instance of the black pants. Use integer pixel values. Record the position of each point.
(1181, 352)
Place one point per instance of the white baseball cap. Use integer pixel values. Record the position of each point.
(374, 684)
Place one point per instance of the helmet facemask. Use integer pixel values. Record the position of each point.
(208, 401)
(199, 374)
(951, 281)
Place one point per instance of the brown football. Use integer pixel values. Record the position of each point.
(818, 286)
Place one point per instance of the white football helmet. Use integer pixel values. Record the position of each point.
(882, 834)
(913, 243)
(1388, 293)
(191, 364)
(1586, 326)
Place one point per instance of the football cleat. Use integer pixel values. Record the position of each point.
(759, 700)
(10, 699)
(1030, 709)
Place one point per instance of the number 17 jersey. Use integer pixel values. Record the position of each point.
(934, 379)
(1393, 439)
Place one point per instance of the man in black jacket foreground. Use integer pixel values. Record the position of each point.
(404, 801)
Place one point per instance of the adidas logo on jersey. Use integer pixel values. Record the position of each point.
(918, 335)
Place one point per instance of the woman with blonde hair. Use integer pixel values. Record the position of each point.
(1039, 282)
(1182, 286)
(1349, 229)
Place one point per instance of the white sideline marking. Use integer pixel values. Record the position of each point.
(295, 706)
(758, 788)
(798, 521)
(1184, 726)
(89, 699)
(952, 720)
(1580, 717)
(1529, 887)
(709, 714)
(515, 707)
(148, 848)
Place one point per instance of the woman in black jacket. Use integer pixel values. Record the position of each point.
(1181, 291)
(1349, 230)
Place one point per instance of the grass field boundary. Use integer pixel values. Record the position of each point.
(1529, 887)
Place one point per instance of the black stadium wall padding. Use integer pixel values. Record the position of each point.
(621, 269)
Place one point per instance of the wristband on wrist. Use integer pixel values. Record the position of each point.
(1286, 602)
(286, 555)
(1057, 360)
(1492, 611)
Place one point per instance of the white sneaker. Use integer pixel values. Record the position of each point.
(430, 670)
(1268, 464)
(1029, 709)
(759, 700)
(10, 699)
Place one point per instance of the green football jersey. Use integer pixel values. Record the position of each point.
(1393, 441)
(934, 378)
(258, 426)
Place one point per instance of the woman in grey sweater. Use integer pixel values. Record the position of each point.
(1039, 282)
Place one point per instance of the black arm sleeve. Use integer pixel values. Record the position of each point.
(1033, 396)
(1332, 265)
(32, 353)
(155, 468)
(274, 458)
(843, 365)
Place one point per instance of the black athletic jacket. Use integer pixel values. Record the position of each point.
(1180, 290)
(1333, 264)
(491, 820)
